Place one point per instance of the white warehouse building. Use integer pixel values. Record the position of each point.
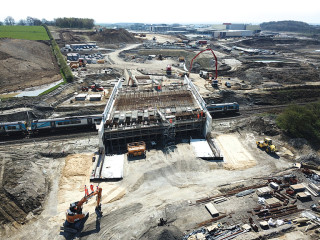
(232, 33)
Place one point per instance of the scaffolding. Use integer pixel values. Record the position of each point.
(148, 115)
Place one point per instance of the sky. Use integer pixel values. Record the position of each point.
(166, 11)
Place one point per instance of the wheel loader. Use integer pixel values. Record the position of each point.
(267, 145)
(136, 149)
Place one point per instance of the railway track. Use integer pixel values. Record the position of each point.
(48, 137)
(246, 112)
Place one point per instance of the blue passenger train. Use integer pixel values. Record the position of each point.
(13, 128)
(223, 108)
(47, 125)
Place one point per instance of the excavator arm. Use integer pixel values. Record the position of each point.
(98, 192)
(75, 213)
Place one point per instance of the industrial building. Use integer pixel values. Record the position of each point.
(232, 33)
(160, 28)
(73, 56)
(162, 115)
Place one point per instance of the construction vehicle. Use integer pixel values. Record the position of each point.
(181, 59)
(96, 87)
(215, 83)
(75, 218)
(315, 207)
(136, 149)
(267, 145)
(74, 65)
(228, 84)
(169, 70)
(82, 62)
(84, 89)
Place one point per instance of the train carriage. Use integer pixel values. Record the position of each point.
(65, 123)
(223, 108)
(13, 129)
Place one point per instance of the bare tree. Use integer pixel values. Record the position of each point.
(30, 21)
(9, 21)
(36, 22)
(22, 22)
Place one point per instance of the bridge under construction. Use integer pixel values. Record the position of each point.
(159, 115)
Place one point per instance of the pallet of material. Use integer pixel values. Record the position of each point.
(212, 210)
(298, 187)
(263, 191)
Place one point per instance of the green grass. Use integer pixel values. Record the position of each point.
(24, 32)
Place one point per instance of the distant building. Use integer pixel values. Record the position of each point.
(83, 46)
(232, 26)
(160, 28)
(73, 56)
(232, 33)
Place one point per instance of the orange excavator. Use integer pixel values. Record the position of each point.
(75, 218)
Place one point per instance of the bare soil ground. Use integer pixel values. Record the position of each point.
(49, 175)
(25, 63)
(161, 185)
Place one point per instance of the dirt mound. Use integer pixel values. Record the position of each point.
(311, 159)
(70, 36)
(261, 125)
(163, 233)
(113, 36)
(24, 187)
(282, 73)
(298, 143)
(278, 43)
(25, 63)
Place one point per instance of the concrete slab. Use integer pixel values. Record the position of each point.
(201, 148)
(112, 167)
(235, 154)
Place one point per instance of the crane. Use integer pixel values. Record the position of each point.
(75, 218)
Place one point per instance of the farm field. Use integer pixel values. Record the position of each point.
(24, 32)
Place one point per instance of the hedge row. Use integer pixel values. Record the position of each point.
(67, 74)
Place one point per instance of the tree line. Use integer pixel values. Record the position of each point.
(302, 121)
(74, 22)
(59, 22)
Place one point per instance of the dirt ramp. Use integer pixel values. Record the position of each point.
(25, 63)
(110, 227)
(163, 233)
(75, 174)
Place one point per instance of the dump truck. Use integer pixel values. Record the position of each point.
(267, 145)
(136, 149)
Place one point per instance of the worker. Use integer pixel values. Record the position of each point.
(198, 115)
(86, 192)
(91, 187)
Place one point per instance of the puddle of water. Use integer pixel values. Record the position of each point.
(35, 91)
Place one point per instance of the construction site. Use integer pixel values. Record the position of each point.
(166, 137)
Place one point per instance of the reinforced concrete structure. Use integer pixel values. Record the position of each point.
(161, 115)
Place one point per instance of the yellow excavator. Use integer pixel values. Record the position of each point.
(75, 218)
(267, 145)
